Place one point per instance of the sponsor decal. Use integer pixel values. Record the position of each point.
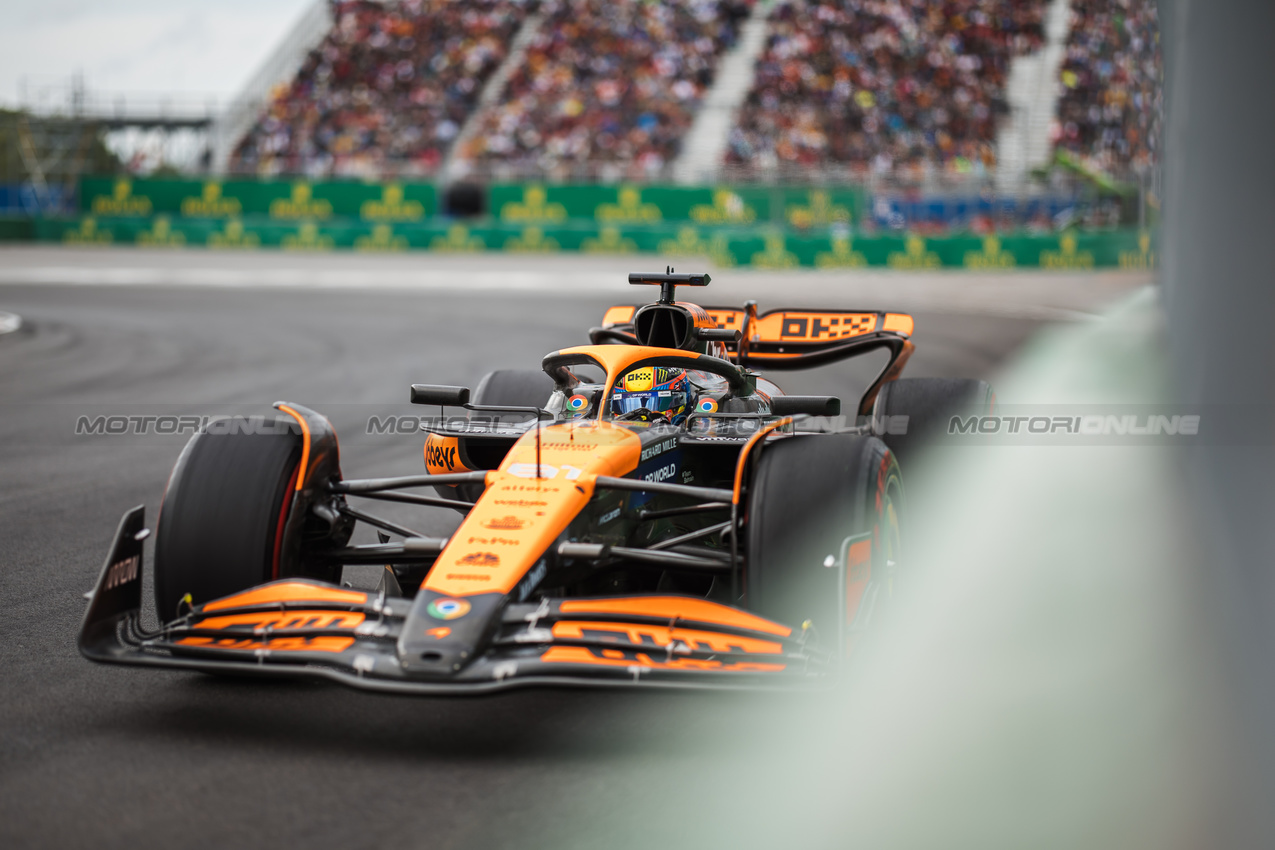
(628, 209)
(609, 516)
(301, 204)
(664, 473)
(392, 206)
(639, 380)
(492, 541)
(276, 623)
(480, 559)
(530, 580)
(505, 523)
(122, 201)
(707, 405)
(468, 577)
(121, 572)
(439, 632)
(283, 621)
(446, 608)
(914, 256)
(993, 256)
(657, 449)
(578, 404)
(440, 456)
(665, 468)
(1067, 256)
(275, 644)
(211, 204)
(581, 445)
(519, 503)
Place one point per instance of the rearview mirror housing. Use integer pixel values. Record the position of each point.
(439, 394)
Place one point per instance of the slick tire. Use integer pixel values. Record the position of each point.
(514, 387)
(807, 495)
(929, 404)
(221, 521)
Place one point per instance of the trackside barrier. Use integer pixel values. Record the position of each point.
(758, 246)
(508, 203)
(273, 200)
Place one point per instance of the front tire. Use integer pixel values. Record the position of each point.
(221, 522)
(808, 494)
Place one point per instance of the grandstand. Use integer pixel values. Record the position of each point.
(389, 87)
(690, 126)
(610, 84)
(1109, 115)
(883, 86)
(823, 90)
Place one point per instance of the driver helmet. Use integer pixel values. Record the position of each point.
(660, 389)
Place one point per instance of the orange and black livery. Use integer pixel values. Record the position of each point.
(648, 510)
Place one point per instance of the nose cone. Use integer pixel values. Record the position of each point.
(499, 551)
(442, 634)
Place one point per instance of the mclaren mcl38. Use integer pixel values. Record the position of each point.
(645, 510)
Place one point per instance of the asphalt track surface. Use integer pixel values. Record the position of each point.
(94, 756)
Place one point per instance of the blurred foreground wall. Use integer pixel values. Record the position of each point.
(1219, 290)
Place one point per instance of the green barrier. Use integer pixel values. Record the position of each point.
(16, 229)
(763, 226)
(516, 203)
(281, 200)
(725, 247)
(509, 203)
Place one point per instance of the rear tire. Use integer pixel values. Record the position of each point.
(221, 522)
(808, 494)
(929, 404)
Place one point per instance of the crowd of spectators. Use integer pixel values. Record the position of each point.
(610, 87)
(608, 83)
(883, 85)
(1109, 113)
(386, 91)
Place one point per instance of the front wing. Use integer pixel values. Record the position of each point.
(303, 628)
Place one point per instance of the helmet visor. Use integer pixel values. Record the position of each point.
(660, 401)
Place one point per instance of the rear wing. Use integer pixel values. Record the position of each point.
(802, 339)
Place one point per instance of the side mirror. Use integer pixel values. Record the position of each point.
(439, 394)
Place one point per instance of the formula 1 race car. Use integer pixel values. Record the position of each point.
(646, 510)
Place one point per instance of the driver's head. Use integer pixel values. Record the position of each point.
(659, 389)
